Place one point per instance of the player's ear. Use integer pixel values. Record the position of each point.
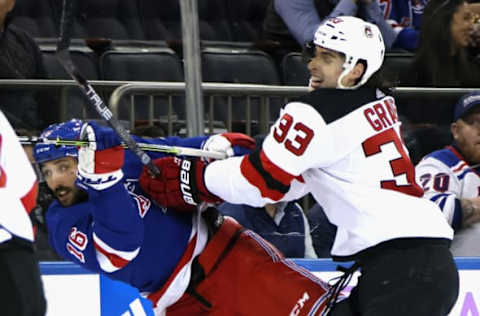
(357, 71)
(453, 129)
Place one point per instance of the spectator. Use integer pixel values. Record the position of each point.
(283, 224)
(443, 59)
(21, 289)
(322, 231)
(451, 177)
(446, 58)
(300, 19)
(20, 58)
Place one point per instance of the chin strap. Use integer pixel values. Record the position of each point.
(347, 67)
(341, 86)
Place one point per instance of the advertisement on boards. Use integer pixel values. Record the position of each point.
(72, 290)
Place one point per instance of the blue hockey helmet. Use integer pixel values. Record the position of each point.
(67, 130)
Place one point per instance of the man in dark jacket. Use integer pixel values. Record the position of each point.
(20, 58)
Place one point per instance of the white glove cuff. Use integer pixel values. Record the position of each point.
(99, 181)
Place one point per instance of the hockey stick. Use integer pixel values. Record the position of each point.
(174, 150)
(63, 56)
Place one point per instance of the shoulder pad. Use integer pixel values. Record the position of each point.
(446, 156)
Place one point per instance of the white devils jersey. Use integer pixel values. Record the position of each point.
(18, 186)
(446, 177)
(344, 147)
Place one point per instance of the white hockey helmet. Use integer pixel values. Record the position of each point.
(355, 38)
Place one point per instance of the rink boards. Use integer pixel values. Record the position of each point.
(72, 290)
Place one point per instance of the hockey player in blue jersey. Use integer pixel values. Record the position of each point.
(186, 264)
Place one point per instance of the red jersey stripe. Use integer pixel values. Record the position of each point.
(154, 297)
(256, 177)
(115, 260)
(29, 200)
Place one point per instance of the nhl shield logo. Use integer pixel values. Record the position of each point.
(368, 31)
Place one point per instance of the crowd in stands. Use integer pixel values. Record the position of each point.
(433, 43)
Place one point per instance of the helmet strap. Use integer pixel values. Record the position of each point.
(347, 67)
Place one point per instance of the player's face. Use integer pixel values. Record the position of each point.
(60, 175)
(461, 26)
(466, 133)
(6, 6)
(325, 68)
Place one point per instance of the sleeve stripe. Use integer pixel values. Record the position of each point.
(109, 262)
(436, 197)
(111, 259)
(464, 173)
(271, 180)
(441, 204)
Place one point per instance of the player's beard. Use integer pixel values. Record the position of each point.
(72, 196)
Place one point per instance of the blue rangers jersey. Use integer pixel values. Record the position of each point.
(446, 178)
(403, 13)
(122, 233)
(405, 17)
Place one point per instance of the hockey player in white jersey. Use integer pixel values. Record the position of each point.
(21, 290)
(451, 176)
(342, 144)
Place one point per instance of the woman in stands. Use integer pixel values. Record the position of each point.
(448, 58)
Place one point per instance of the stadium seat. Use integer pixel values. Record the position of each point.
(395, 63)
(229, 65)
(238, 66)
(113, 19)
(83, 59)
(246, 18)
(72, 100)
(295, 73)
(163, 20)
(159, 64)
(294, 70)
(35, 17)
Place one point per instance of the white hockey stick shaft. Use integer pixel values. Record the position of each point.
(174, 150)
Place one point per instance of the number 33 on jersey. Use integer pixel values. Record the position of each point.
(302, 138)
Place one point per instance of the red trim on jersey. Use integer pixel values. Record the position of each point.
(459, 156)
(460, 167)
(29, 200)
(256, 179)
(455, 152)
(3, 177)
(187, 256)
(114, 259)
